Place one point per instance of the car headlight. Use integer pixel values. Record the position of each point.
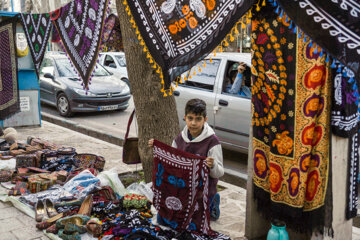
(126, 89)
(83, 92)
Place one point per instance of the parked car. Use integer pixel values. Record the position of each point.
(228, 114)
(60, 86)
(115, 63)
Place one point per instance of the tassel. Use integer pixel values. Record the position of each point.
(310, 44)
(281, 14)
(345, 72)
(305, 39)
(327, 59)
(333, 65)
(295, 30)
(315, 51)
(299, 35)
(250, 15)
(321, 53)
(257, 8)
(291, 25)
(351, 80)
(339, 69)
(277, 10)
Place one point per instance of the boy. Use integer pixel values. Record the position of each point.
(199, 138)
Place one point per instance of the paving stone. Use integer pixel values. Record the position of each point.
(28, 233)
(26, 220)
(9, 224)
(7, 236)
(9, 212)
(5, 205)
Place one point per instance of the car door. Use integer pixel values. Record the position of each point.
(232, 117)
(201, 85)
(47, 93)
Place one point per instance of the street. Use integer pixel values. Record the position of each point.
(115, 123)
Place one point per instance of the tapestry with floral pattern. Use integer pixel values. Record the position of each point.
(290, 118)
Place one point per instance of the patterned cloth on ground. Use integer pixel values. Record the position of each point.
(180, 185)
(9, 88)
(37, 29)
(332, 25)
(179, 34)
(80, 26)
(290, 118)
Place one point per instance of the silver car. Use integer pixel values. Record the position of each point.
(228, 114)
(60, 86)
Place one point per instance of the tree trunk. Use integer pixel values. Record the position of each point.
(156, 115)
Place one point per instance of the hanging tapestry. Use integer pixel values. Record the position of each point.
(181, 189)
(290, 118)
(344, 108)
(179, 34)
(80, 26)
(331, 24)
(55, 38)
(37, 29)
(345, 123)
(9, 88)
(112, 40)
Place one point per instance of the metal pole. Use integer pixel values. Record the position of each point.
(12, 6)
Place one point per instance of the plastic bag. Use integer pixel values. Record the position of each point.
(82, 184)
(8, 164)
(110, 178)
(56, 193)
(141, 188)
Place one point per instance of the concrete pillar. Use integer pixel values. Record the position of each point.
(342, 228)
(256, 227)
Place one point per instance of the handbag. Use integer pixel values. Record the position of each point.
(130, 148)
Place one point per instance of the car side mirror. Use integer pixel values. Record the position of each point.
(112, 65)
(49, 75)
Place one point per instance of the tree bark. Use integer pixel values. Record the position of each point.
(156, 115)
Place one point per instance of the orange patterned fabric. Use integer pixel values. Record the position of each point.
(290, 118)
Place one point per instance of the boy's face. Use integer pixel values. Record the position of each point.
(195, 123)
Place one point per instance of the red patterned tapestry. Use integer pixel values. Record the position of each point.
(180, 185)
(290, 118)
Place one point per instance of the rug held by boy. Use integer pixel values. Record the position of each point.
(199, 138)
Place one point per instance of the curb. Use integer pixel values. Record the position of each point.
(92, 132)
(230, 176)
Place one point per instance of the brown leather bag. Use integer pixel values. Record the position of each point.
(130, 148)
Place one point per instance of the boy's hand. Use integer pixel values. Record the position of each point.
(151, 143)
(209, 162)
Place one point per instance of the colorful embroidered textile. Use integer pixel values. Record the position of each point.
(331, 24)
(55, 38)
(37, 29)
(112, 40)
(80, 26)
(9, 89)
(344, 108)
(290, 117)
(180, 185)
(345, 123)
(179, 34)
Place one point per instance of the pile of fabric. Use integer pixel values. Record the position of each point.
(73, 197)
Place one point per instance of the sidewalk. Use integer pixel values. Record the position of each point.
(16, 225)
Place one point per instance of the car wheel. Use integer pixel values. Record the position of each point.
(63, 105)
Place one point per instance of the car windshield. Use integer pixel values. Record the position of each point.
(121, 60)
(66, 70)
